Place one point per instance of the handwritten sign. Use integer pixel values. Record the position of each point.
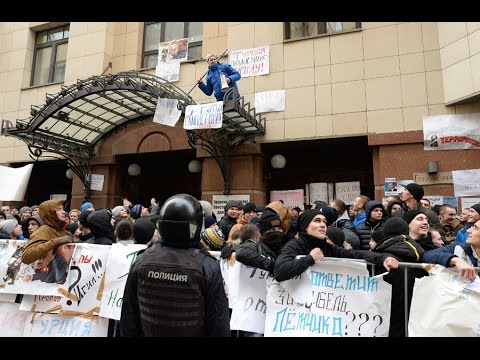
(219, 202)
(268, 101)
(168, 71)
(347, 191)
(12, 321)
(55, 325)
(167, 112)
(97, 182)
(205, 116)
(251, 62)
(344, 302)
(290, 198)
(466, 182)
(120, 259)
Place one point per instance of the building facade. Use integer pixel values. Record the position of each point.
(355, 95)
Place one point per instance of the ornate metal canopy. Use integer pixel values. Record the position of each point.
(72, 122)
(240, 122)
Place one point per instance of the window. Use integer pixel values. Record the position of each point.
(299, 30)
(50, 55)
(156, 33)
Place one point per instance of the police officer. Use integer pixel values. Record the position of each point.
(176, 289)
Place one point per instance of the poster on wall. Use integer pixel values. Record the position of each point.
(173, 51)
(251, 62)
(451, 132)
(219, 202)
(290, 198)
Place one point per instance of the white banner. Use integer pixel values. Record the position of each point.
(466, 182)
(219, 202)
(318, 192)
(451, 132)
(205, 116)
(120, 258)
(249, 308)
(55, 325)
(339, 299)
(12, 321)
(14, 182)
(453, 308)
(467, 203)
(290, 198)
(46, 276)
(268, 101)
(167, 112)
(251, 62)
(347, 191)
(97, 182)
(168, 71)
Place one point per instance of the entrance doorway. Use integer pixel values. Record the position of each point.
(163, 174)
(326, 160)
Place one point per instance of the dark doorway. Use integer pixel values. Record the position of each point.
(163, 174)
(326, 160)
(47, 178)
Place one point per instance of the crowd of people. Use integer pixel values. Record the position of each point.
(175, 287)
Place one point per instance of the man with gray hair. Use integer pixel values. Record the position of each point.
(214, 78)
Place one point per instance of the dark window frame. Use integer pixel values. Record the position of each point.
(54, 45)
(321, 31)
(162, 37)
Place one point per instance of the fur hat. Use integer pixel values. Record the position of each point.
(85, 206)
(411, 214)
(336, 235)
(7, 226)
(143, 230)
(395, 226)
(212, 239)
(136, 211)
(416, 191)
(250, 206)
(117, 209)
(476, 207)
(268, 220)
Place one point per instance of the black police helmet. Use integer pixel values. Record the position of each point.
(180, 218)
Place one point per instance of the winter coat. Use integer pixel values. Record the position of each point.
(41, 241)
(214, 83)
(287, 266)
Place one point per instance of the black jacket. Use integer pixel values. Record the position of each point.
(217, 313)
(255, 254)
(287, 266)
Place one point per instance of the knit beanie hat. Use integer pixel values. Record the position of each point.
(117, 209)
(379, 235)
(476, 207)
(268, 220)
(85, 206)
(232, 203)
(306, 217)
(37, 218)
(72, 227)
(143, 230)
(411, 214)
(336, 235)
(209, 221)
(250, 206)
(416, 191)
(395, 226)
(82, 218)
(136, 211)
(330, 213)
(8, 225)
(212, 239)
(23, 209)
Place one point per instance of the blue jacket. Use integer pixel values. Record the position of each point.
(444, 254)
(462, 235)
(214, 83)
